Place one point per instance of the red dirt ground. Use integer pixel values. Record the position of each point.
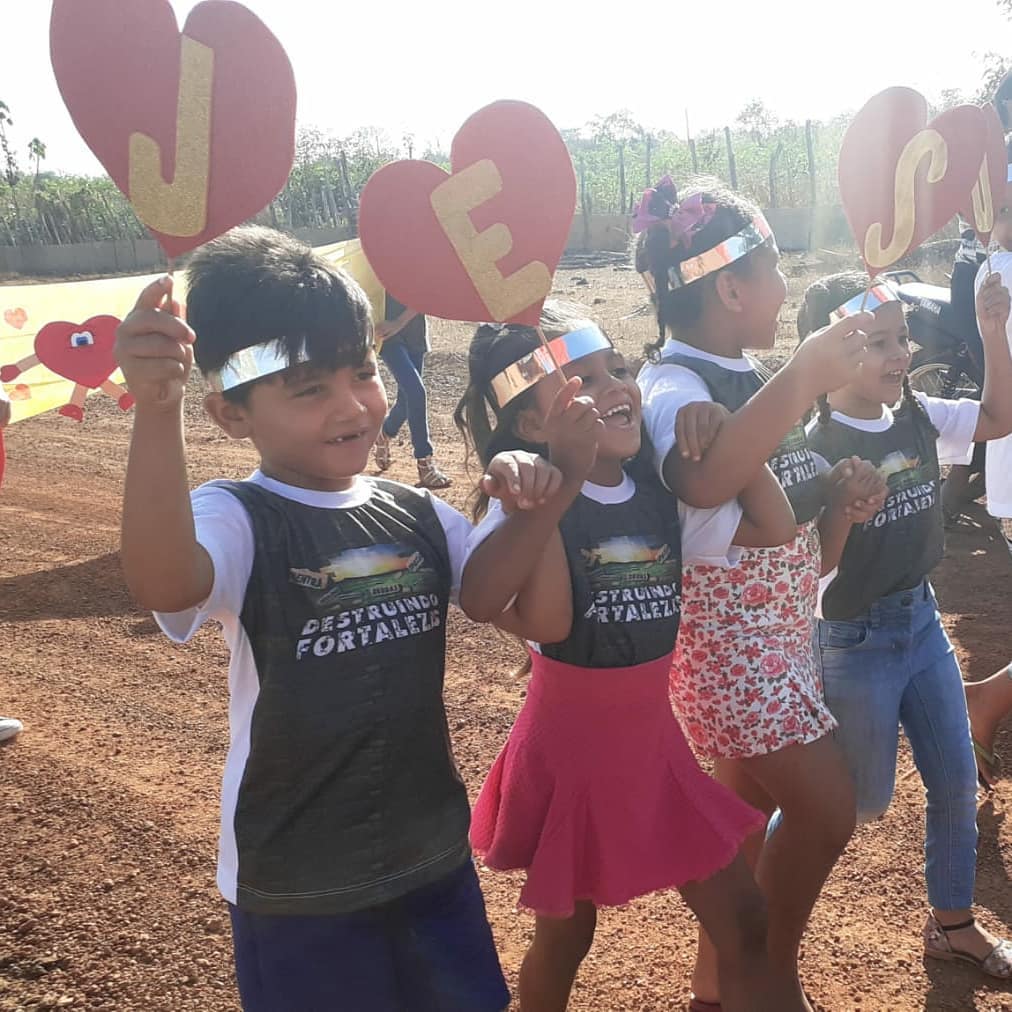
(108, 801)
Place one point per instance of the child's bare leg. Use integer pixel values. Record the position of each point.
(988, 703)
(549, 968)
(812, 787)
(733, 911)
(705, 974)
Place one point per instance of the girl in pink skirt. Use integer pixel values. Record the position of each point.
(596, 794)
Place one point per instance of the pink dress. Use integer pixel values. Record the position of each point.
(598, 796)
(744, 680)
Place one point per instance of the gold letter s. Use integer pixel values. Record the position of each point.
(453, 201)
(178, 208)
(927, 144)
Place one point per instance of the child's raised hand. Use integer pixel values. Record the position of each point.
(830, 358)
(696, 427)
(572, 429)
(857, 487)
(154, 348)
(993, 306)
(520, 480)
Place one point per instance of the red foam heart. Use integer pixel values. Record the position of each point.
(118, 68)
(17, 318)
(902, 178)
(993, 174)
(90, 365)
(411, 251)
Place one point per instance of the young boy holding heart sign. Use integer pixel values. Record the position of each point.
(344, 852)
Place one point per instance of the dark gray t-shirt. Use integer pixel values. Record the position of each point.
(903, 542)
(623, 545)
(340, 791)
(792, 461)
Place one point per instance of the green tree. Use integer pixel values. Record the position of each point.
(37, 152)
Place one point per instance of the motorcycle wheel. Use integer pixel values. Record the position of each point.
(934, 378)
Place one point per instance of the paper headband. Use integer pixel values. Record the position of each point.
(251, 364)
(751, 237)
(534, 367)
(878, 295)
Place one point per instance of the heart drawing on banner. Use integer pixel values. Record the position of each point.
(79, 352)
(196, 128)
(481, 242)
(903, 178)
(16, 318)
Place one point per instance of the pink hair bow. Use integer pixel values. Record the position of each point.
(683, 219)
(656, 205)
(688, 218)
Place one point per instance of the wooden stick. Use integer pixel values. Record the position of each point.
(551, 355)
(867, 292)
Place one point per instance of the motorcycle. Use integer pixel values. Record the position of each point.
(949, 360)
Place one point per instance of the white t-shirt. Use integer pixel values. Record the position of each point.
(998, 472)
(956, 422)
(708, 534)
(224, 529)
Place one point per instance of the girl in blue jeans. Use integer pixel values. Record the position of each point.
(886, 660)
(404, 343)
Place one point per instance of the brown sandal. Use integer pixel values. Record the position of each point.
(381, 451)
(997, 963)
(429, 475)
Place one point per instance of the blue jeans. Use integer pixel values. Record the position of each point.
(894, 665)
(406, 365)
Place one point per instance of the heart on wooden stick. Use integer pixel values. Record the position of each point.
(988, 194)
(196, 128)
(482, 241)
(903, 178)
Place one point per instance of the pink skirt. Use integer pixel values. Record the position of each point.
(597, 796)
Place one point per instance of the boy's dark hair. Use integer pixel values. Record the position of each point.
(683, 306)
(820, 299)
(488, 429)
(256, 285)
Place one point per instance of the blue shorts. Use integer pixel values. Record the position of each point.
(428, 951)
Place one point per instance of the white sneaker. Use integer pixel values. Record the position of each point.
(10, 728)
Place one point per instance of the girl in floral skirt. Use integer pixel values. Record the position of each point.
(744, 679)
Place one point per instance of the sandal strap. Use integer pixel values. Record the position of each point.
(962, 925)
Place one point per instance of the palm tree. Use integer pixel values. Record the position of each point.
(36, 150)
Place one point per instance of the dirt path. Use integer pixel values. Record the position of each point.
(108, 802)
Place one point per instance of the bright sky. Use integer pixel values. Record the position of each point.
(407, 65)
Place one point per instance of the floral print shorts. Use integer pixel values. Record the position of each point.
(744, 680)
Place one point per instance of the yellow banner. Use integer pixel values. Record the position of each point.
(26, 309)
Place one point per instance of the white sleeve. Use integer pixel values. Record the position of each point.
(708, 535)
(666, 390)
(491, 522)
(224, 530)
(457, 529)
(956, 422)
